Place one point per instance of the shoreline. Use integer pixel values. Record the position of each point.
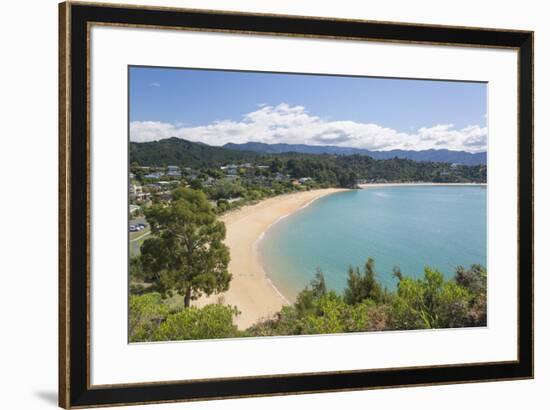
(251, 290)
(399, 184)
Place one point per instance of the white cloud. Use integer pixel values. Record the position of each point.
(154, 85)
(294, 125)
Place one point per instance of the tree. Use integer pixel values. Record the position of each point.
(186, 253)
(328, 317)
(430, 302)
(361, 287)
(195, 184)
(475, 280)
(151, 319)
(276, 165)
(213, 321)
(347, 179)
(318, 285)
(222, 189)
(222, 205)
(397, 274)
(146, 312)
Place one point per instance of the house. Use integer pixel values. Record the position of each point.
(304, 180)
(230, 166)
(281, 177)
(230, 169)
(135, 191)
(155, 175)
(164, 195)
(152, 187)
(163, 185)
(138, 194)
(173, 171)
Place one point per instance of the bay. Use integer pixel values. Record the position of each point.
(407, 226)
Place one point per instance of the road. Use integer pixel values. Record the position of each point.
(136, 238)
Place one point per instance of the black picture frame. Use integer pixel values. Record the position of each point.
(74, 209)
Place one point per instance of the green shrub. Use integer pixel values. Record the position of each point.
(210, 322)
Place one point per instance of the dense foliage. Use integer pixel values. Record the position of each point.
(186, 254)
(426, 302)
(177, 151)
(152, 320)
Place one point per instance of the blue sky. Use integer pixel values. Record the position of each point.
(216, 107)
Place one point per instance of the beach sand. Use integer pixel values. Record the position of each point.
(250, 289)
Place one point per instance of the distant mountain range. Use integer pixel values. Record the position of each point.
(430, 155)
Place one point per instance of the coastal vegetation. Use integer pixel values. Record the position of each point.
(427, 302)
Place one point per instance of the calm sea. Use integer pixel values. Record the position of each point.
(406, 226)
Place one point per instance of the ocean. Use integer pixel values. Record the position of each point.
(406, 226)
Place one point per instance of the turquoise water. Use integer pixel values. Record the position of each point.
(407, 226)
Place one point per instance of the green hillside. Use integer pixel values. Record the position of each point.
(176, 151)
(325, 169)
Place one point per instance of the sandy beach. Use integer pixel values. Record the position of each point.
(250, 289)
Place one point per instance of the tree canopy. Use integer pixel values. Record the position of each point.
(361, 287)
(186, 253)
(426, 302)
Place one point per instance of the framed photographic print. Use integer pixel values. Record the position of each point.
(257, 204)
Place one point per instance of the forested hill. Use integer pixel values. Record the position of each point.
(177, 151)
(327, 169)
(430, 155)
